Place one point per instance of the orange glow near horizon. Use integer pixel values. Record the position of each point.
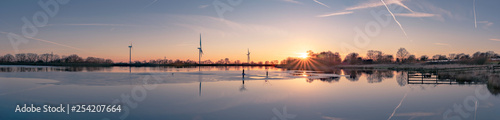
(303, 55)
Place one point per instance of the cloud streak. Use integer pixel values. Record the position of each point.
(321, 3)
(378, 4)
(416, 14)
(153, 2)
(442, 44)
(336, 13)
(292, 1)
(221, 26)
(331, 118)
(487, 24)
(400, 26)
(474, 7)
(416, 114)
(495, 39)
(49, 42)
(55, 43)
(94, 24)
(203, 6)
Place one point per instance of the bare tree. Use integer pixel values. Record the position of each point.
(374, 55)
(74, 59)
(352, 58)
(424, 58)
(9, 58)
(21, 57)
(452, 56)
(402, 54)
(31, 57)
(412, 58)
(45, 57)
(439, 57)
(226, 61)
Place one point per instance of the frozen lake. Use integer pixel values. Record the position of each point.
(222, 93)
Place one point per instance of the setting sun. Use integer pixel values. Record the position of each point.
(303, 55)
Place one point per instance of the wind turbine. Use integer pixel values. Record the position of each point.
(200, 52)
(130, 54)
(199, 67)
(248, 54)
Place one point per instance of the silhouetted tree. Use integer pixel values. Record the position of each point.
(452, 56)
(226, 61)
(8, 58)
(411, 59)
(352, 58)
(73, 59)
(31, 57)
(386, 59)
(439, 57)
(374, 55)
(402, 54)
(424, 58)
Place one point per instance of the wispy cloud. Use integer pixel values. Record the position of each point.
(151, 3)
(495, 39)
(474, 8)
(221, 26)
(400, 26)
(487, 24)
(321, 3)
(331, 118)
(94, 24)
(292, 1)
(416, 14)
(442, 44)
(378, 4)
(42, 40)
(336, 13)
(441, 14)
(203, 6)
(416, 114)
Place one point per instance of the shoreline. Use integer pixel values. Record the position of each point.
(366, 66)
(419, 66)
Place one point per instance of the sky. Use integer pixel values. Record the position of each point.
(270, 29)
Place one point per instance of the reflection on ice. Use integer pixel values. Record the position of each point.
(215, 93)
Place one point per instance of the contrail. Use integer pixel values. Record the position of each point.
(154, 1)
(474, 7)
(48, 42)
(55, 43)
(321, 3)
(334, 14)
(395, 18)
(400, 3)
(397, 106)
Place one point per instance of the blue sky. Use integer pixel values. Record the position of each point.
(271, 29)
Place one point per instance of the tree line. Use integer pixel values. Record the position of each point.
(325, 58)
(378, 57)
(22, 58)
(51, 59)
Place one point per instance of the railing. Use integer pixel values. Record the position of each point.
(435, 78)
